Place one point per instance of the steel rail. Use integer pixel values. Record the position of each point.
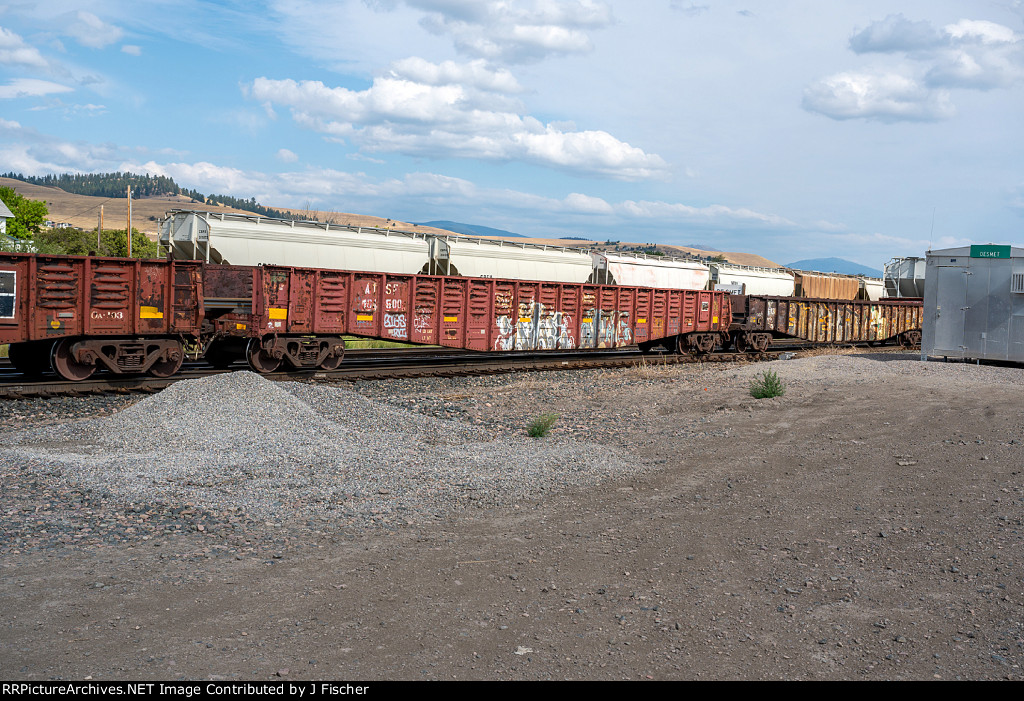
(362, 366)
(378, 364)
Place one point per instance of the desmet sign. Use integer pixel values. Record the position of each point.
(990, 251)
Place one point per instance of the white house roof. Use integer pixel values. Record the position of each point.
(5, 212)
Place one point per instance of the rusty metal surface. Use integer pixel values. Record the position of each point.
(202, 306)
(63, 296)
(822, 286)
(473, 313)
(829, 321)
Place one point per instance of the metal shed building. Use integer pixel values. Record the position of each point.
(974, 303)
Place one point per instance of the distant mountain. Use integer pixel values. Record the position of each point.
(468, 229)
(835, 265)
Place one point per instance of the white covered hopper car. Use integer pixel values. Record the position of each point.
(642, 270)
(748, 280)
(249, 239)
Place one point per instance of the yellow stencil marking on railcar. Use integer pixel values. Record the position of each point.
(55, 324)
(714, 320)
(240, 327)
(364, 317)
(150, 313)
(641, 321)
(587, 320)
(451, 318)
(277, 313)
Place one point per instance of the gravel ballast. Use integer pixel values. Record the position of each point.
(282, 452)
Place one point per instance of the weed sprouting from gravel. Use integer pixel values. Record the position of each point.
(541, 426)
(656, 368)
(767, 385)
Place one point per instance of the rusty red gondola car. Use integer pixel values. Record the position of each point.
(74, 314)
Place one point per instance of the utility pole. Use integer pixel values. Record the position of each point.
(99, 230)
(129, 221)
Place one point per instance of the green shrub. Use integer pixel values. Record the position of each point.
(767, 385)
(541, 426)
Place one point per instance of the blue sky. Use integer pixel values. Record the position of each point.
(791, 128)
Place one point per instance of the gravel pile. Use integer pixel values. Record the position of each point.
(280, 452)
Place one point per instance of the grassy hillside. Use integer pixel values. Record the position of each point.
(82, 211)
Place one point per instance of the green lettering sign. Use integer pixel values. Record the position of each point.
(990, 251)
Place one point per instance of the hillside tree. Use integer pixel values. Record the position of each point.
(29, 215)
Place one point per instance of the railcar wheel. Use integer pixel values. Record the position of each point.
(64, 364)
(331, 362)
(29, 358)
(259, 360)
(166, 368)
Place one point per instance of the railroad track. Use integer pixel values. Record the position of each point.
(377, 364)
(360, 365)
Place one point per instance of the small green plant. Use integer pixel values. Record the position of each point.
(541, 426)
(767, 385)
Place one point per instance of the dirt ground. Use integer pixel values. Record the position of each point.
(852, 529)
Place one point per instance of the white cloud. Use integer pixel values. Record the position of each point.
(32, 153)
(974, 54)
(88, 109)
(885, 97)
(31, 87)
(443, 118)
(879, 241)
(672, 211)
(979, 55)
(89, 29)
(980, 30)
(585, 203)
(335, 190)
(474, 74)
(204, 176)
(970, 54)
(132, 50)
(286, 156)
(688, 8)
(14, 51)
(365, 158)
(896, 33)
(515, 32)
